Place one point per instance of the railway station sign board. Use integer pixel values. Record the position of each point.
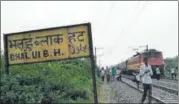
(51, 44)
(48, 44)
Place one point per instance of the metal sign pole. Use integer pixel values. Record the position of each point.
(95, 58)
(6, 66)
(92, 65)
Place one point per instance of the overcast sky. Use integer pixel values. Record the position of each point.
(116, 26)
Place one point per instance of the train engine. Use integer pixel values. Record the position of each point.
(132, 65)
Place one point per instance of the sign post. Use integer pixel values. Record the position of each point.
(93, 65)
(51, 44)
(6, 66)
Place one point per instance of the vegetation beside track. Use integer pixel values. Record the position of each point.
(67, 81)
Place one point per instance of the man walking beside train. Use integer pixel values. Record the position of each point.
(145, 74)
(158, 73)
(173, 73)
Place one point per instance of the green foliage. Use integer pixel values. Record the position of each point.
(54, 82)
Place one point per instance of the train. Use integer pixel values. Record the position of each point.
(132, 65)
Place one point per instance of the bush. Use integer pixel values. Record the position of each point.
(54, 82)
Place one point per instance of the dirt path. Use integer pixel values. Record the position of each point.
(108, 93)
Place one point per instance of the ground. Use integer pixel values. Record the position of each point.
(118, 92)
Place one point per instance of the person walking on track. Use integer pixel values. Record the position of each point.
(158, 73)
(118, 74)
(137, 79)
(113, 73)
(108, 74)
(145, 74)
(173, 73)
(98, 72)
(102, 74)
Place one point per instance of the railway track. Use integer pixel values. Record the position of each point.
(153, 97)
(174, 91)
(170, 90)
(166, 81)
(169, 79)
(156, 97)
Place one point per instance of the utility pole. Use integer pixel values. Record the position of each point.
(99, 63)
(136, 49)
(147, 47)
(96, 54)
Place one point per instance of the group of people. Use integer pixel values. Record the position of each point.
(144, 76)
(172, 71)
(109, 73)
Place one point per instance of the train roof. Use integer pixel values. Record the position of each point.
(151, 50)
(145, 51)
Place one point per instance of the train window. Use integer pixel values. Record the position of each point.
(152, 54)
(156, 54)
(146, 54)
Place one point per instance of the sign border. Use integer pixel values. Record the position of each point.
(38, 30)
(42, 29)
(93, 64)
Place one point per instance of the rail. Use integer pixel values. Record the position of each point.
(153, 97)
(170, 90)
(166, 89)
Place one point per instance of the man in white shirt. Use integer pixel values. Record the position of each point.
(173, 72)
(145, 74)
